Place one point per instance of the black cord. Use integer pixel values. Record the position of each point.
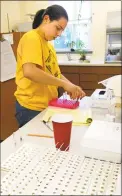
(45, 123)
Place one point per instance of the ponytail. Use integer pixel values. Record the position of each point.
(38, 19)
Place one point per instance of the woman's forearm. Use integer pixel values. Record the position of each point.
(38, 75)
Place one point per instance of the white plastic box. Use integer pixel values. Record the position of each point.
(103, 141)
(101, 100)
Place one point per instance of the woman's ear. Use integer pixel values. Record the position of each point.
(46, 19)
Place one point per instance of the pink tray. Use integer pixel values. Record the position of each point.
(70, 104)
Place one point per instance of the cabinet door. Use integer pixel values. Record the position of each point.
(101, 70)
(90, 85)
(89, 77)
(73, 77)
(105, 76)
(69, 69)
(8, 121)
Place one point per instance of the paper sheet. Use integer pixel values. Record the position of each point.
(8, 62)
(8, 37)
(80, 117)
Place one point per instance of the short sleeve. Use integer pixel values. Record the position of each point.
(31, 50)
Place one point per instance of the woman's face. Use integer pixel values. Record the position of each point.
(53, 29)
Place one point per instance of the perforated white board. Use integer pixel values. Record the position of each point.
(35, 170)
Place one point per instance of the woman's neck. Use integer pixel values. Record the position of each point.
(40, 30)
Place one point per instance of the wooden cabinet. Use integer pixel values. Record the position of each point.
(73, 77)
(86, 77)
(89, 76)
(7, 105)
(8, 123)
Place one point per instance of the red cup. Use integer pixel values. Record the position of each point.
(62, 126)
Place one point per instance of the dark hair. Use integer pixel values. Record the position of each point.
(55, 12)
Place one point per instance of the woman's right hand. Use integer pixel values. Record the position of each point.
(74, 90)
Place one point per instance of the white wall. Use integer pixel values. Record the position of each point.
(112, 5)
(99, 23)
(114, 19)
(13, 10)
(17, 11)
(33, 6)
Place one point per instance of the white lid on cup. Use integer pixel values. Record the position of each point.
(62, 118)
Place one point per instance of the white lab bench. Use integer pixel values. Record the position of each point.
(36, 126)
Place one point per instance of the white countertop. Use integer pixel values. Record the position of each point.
(78, 63)
(36, 126)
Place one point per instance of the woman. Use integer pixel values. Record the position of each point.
(38, 75)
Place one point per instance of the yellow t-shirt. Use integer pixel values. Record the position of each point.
(35, 49)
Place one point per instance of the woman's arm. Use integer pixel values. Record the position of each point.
(65, 79)
(34, 73)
